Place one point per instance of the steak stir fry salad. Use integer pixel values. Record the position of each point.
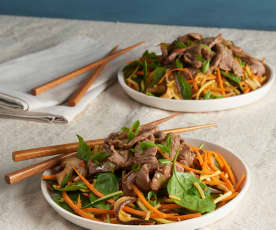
(194, 67)
(142, 176)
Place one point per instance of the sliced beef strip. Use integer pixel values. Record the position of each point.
(127, 181)
(227, 62)
(212, 41)
(142, 179)
(175, 144)
(161, 176)
(190, 36)
(174, 54)
(143, 134)
(160, 137)
(217, 59)
(147, 157)
(121, 158)
(187, 156)
(256, 65)
(107, 166)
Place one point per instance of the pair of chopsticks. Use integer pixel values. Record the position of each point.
(79, 93)
(68, 150)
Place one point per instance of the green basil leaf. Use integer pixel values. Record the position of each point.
(198, 56)
(145, 67)
(149, 55)
(185, 87)
(169, 142)
(98, 157)
(178, 63)
(164, 148)
(149, 94)
(190, 43)
(133, 150)
(84, 150)
(67, 177)
(231, 76)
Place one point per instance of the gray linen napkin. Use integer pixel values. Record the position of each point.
(19, 76)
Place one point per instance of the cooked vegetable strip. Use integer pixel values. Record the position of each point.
(49, 177)
(220, 83)
(200, 190)
(76, 209)
(184, 217)
(222, 197)
(240, 183)
(228, 169)
(146, 203)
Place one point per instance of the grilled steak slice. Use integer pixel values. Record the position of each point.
(142, 179)
(161, 176)
(187, 156)
(127, 182)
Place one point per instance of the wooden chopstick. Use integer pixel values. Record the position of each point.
(188, 129)
(32, 170)
(79, 93)
(58, 81)
(27, 154)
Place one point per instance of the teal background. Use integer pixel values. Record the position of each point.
(248, 14)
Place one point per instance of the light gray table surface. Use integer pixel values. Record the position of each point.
(249, 131)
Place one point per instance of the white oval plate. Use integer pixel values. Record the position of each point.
(199, 105)
(239, 168)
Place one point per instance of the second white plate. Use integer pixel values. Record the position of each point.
(199, 105)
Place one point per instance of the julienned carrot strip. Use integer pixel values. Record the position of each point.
(170, 206)
(98, 210)
(219, 80)
(240, 183)
(147, 204)
(76, 209)
(210, 161)
(92, 188)
(220, 162)
(228, 169)
(180, 164)
(227, 182)
(184, 217)
(49, 177)
(199, 157)
(213, 183)
(79, 202)
(205, 168)
(141, 72)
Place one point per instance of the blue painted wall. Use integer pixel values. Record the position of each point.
(250, 14)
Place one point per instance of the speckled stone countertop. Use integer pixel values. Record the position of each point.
(249, 131)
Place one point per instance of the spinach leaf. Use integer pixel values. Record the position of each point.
(180, 44)
(75, 186)
(178, 63)
(231, 76)
(181, 185)
(106, 183)
(157, 74)
(57, 197)
(185, 87)
(84, 151)
(98, 157)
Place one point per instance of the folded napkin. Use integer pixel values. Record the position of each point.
(19, 76)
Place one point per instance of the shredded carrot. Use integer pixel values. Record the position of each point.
(114, 221)
(228, 169)
(227, 182)
(76, 209)
(141, 72)
(210, 161)
(92, 188)
(220, 204)
(79, 202)
(220, 162)
(49, 177)
(170, 206)
(184, 217)
(219, 80)
(205, 168)
(129, 62)
(199, 157)
(147, 204)
(240, 183)
(98, 210)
